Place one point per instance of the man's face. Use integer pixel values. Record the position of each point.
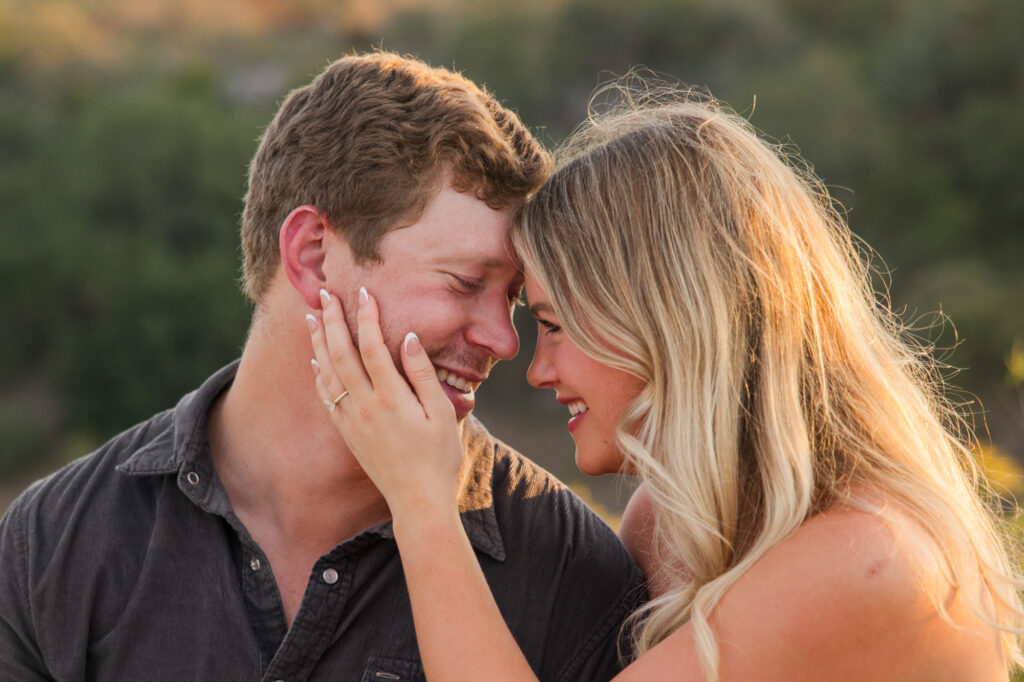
(449, 277)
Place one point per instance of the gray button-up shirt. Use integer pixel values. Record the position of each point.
(130, 564)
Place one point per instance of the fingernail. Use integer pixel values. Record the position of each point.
(412, 344)
(311, 322)
(363, 296)
(325, 297)
(316, 365)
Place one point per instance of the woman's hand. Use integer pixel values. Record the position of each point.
(409, 445)
(407, 442)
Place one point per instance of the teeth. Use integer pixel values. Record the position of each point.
(578, 407)
(454, 380)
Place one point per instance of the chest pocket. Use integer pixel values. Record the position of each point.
(383, 669)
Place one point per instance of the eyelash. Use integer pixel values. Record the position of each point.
(549, 327)
(466, 285)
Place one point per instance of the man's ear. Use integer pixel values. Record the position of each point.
(303, 251)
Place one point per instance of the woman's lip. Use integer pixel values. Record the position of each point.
(574, 422)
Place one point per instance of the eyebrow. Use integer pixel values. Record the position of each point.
(537, 308)
(471, 259)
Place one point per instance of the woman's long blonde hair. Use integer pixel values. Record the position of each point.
(678, 246)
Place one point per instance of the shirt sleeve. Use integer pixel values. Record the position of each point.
(601, 585)
(20, 658)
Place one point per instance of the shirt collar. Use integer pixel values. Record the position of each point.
(184, 441)
(476, 493)
(185, 438)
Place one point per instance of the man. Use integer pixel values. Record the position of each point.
(235, 537)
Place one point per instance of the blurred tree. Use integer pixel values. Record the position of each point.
(122, 260)
(123, 152)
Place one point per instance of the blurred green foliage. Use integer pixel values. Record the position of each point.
(123, 154)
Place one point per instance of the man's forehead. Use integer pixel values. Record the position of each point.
(456, 228)
(484, 249)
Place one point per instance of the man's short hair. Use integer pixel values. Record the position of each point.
(368, 143)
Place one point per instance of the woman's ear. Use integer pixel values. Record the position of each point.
(303, 250)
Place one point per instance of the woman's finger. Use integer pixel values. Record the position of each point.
(377, 360)
(341, 354)
(321, 388)
(318, 378)
(328, 384)
(423, 377)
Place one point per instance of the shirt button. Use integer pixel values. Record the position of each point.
(330, 576)
(192, 477)
(254, 564)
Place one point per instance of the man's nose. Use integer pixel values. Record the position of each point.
(492, 329)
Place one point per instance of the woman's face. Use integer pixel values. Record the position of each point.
(595, 394)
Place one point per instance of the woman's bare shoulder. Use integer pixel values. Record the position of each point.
(841, 598)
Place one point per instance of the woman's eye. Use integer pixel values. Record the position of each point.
(549, 327)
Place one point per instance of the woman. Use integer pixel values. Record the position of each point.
(806, 512)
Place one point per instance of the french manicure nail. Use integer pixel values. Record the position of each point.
(311, 322)
(316, 365)
(412, 344)
(325, 297)
(363, 296)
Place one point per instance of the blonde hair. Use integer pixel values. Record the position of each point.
(678, 246)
